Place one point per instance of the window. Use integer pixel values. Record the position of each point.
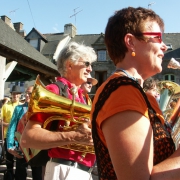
(169, 77)
(102, 55)
(101, 76)
(34, 43)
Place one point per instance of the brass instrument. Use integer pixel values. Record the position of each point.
(170, 92)
(62, 108)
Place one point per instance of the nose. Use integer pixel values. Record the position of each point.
(89, 68)
(164, 47)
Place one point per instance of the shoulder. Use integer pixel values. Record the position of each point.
(125, 97)
(18, 107)
(57, 86)
(6, 106)
(53, 88)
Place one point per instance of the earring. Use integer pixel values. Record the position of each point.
(133, 54)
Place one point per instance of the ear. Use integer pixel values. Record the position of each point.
(129, 40)
(69, 65)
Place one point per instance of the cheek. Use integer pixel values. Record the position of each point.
(150, 92)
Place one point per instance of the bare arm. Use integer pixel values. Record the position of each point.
(34, 136)
(4, 123)
(130, 143)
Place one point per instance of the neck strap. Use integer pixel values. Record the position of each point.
(133, 78)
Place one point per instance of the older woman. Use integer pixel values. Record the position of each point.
(74, 65)
(130, 141)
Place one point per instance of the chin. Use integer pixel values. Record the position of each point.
(158, 70)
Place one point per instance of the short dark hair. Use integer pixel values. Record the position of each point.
(128, 20)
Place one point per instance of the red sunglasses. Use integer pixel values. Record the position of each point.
(157, 35)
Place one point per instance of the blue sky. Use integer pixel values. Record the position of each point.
(50, 16)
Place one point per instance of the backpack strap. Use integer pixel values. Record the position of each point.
(62, 92)
(62, 88)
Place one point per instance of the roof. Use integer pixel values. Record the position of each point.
(15, 48)
(87, 39)
(53, 41)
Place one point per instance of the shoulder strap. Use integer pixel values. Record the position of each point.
(62, 88)
(62, 92)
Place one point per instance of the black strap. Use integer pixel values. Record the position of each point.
(62, 88)
(62, 92)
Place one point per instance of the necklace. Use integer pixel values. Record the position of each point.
(133, 78)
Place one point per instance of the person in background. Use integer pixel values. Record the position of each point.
(6, 114)
(86, 87)
(13, 145)
(150, 87)
(130, 141)
(74, 65)
(4, 101)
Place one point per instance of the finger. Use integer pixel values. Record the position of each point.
(19, 157)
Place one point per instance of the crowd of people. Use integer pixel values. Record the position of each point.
(126, 126)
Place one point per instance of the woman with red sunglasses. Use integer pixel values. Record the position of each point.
(130, 140)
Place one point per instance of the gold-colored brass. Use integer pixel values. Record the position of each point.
(170, 92)
(44, 101)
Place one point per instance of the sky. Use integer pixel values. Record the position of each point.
(89, 16)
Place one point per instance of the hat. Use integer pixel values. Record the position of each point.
(92, 80)
(16, 89)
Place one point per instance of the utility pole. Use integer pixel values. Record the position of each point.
(75, 13)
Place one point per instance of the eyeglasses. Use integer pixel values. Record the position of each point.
(86, 63)
(157, 35)
(88, 82)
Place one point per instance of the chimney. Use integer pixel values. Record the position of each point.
(70, 29)
(19, 29)
(7, 20)
(18, 26)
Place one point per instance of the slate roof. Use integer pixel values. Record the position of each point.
(53, 41)
(15, 47)
(43, 37)
(87, 39)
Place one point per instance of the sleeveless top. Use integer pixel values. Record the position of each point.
(163, 142)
